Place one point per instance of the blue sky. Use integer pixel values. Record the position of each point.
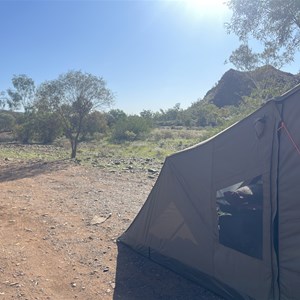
(152, 54)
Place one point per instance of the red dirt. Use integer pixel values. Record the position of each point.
(50, 250)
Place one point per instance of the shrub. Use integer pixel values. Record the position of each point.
(95, 123)
(114, 116)
(7, 122)
(130, 128)
(47, 127)
(25, 132)
(41, 127)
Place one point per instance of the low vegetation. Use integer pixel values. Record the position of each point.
(104, 153)
(64, 113)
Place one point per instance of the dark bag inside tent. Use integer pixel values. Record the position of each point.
(239, 209)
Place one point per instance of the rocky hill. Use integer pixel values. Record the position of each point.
(233, 85)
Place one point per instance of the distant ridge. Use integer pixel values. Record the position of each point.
(234, 84)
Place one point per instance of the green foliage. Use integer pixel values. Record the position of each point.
(95, 122)
(73, 96)
(169, 117)
(25, 130)
(7, 121)
(22, 94)
(203, 114)
(115, 115)
(208, 115)
(47, 127)
(38, 126)
(147, 114)
(259, 97)
(275, 23)
(32, 152)
(158, 144)
(244, 59)
(67, 106)
(2, 99)
(130, 128)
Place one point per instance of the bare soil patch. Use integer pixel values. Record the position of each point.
(51, 248)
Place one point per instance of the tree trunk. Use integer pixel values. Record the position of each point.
(74, 148)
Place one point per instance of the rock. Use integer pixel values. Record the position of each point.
(14, 284)
(99, 220)
(113, 285)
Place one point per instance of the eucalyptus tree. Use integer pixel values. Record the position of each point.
(244, 59)
(22, 95)
(274, 23)
(73, 96)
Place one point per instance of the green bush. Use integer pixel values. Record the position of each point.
(25, 132)
(7, 122)
(129, 135)
(130, 128)
(114, 116)
(40, 127)
(47, 127)
(94, 124)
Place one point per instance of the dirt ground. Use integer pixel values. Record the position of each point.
(59, 222)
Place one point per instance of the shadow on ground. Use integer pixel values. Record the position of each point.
(139, 278)
(15, 171)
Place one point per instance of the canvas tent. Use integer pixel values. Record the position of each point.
(226, 212)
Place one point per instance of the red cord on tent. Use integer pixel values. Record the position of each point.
(282, 125)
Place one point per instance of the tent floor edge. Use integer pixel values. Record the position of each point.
(206, 281)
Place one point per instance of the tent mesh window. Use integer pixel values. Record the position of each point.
(240, 216)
